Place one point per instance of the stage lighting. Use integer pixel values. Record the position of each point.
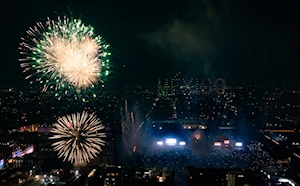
(226, 142)
(160, 143)
(238, 144)
(182, 143)
(171, 141)
(217, 144)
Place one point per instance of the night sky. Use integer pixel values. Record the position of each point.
(244, 42)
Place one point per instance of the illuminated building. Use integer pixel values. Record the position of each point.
(117, 175)
(229, 177)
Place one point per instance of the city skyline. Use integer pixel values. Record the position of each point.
(147, 92)
(177, 127)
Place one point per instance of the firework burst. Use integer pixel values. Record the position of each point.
(65, 54)
(78, 137)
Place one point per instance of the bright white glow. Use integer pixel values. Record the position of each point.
(182, 143)
(298, 156)
(171, 141)
(284, 180)
(78, 137)
(29, 151)
(239, 144)
(76, 172)
(91, 174)
(160, 143)
(272, 140)
(203, 127)
(45, 176)
(226, 142)
(217, 144)
(66, 50)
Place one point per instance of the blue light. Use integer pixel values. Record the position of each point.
(160, 143)
(238, 144)
(171, 141)
(182, 143)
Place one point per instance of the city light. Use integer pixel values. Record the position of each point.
(226, 142)
(238, 144)
(217, 144)
(20, 153)
(91, 174)
(160, 143)
(284, 180)
(182, 143)
(1, 164)
(171, 141)
(197, 136)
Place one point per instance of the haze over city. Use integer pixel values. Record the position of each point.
(148, 92)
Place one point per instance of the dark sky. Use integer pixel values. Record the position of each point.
(243, 41)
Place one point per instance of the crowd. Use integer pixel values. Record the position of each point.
(263, 158)
(251, 157)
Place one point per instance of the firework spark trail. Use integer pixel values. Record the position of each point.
(126, 112)
(77, 137)
(132, 121)
(64, 54)
(139, 127)
(126, 120)
(126, 109)
(146, 116)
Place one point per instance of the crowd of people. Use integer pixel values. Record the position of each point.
(179, 158)
(263, 158)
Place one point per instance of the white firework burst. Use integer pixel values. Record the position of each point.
(65, 54)
(78, 137)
